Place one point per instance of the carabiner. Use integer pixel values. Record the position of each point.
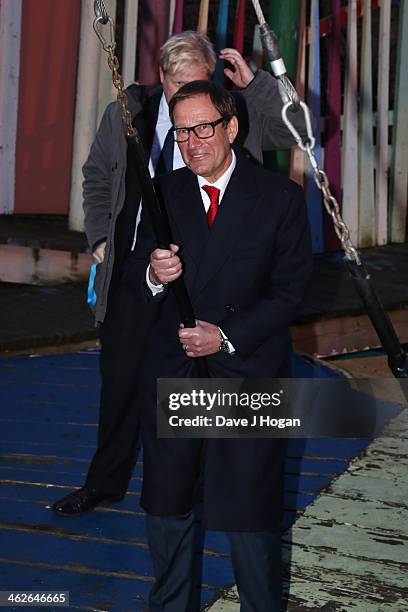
(106, 46)
(311, 141)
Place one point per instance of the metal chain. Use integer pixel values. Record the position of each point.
(320, 177)
(121, 96)
(102, 18)
(332, 207)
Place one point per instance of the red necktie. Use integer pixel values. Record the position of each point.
(214, 195)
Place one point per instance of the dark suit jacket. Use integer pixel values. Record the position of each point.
(247, 275)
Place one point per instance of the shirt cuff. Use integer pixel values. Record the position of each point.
(230, 345)
(155, 289)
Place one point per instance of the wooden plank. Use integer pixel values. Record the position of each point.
(321, 589)
(332, 148)
(130, 41)
(202, 24)
(297, 156)
(339, 335)
(313, 193)
(47, 83)
(381, 200)
(366, 220)
(350, 129)
(178, 17)
(239, 32)
(221, 38)
(370, 488)
(85, 111)
(360, 513)
(399, 170)
(87, 592)
(257, 50)
(10, 37)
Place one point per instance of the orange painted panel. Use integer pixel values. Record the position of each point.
(47, 85)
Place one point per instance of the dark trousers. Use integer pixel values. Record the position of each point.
(256, 560)
(122, 335)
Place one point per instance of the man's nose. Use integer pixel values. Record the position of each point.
(193, 140)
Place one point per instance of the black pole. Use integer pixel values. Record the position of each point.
(397, 358)
(163, 237)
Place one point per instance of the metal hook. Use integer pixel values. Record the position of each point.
(311, 139)
(96, 26)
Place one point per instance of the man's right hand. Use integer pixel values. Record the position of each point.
(165, 266)
(99, 252)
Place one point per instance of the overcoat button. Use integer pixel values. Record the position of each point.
(230, 308)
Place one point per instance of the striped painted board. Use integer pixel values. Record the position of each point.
(350, 128)
(313, 193)
(399, 169)
(381, 191)
(221, 38)
(332, 149)
(366, 220)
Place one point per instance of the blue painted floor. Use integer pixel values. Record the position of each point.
(49, 412)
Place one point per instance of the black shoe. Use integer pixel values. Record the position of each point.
(83, 500)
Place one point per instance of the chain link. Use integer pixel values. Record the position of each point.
(333, 209)
(320, 177)
(121, 96)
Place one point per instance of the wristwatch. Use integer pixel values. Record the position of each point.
(225, 345)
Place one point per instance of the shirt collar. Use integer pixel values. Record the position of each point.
(163, 116)
(223, 181)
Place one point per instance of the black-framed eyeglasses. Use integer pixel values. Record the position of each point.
(202, 130)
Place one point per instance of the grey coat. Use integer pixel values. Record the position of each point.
(261, 128)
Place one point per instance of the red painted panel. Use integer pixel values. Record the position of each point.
(154, 30)
(47, 85)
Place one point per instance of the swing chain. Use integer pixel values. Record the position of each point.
(333, 209)
(320, 177)
(117, 80)
(102, 17)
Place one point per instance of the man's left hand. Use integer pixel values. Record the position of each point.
(242, 75)
(200, 341)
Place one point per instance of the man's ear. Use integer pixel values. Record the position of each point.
(232, 129)
(161, 74)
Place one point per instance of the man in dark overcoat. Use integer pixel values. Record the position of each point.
(241, 241)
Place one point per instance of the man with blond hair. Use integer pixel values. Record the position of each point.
(112, 211)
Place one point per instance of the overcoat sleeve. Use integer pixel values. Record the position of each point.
(97, 182)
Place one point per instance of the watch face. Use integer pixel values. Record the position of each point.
(224, 346)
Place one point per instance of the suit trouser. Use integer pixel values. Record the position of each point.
(256, 559)
(122, 337)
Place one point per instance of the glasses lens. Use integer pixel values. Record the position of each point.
(181, 135)
(204, 130)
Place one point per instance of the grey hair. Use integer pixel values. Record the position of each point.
(182, 50)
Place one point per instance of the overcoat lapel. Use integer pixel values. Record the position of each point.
(210, 248)
(230, 224)
(189, 216)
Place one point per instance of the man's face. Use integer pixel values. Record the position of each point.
(172, 82)
(208, 157)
